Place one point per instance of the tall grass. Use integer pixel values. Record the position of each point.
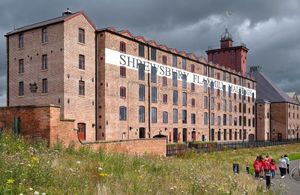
(26, 168)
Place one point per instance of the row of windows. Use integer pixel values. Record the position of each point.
(81, 63)
(154, 98)
(141, 76)
(44, 32)
(206, 71)
(44, 87)
(141, 112)
(235, 122)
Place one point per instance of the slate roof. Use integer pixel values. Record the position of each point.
(267, 90)
(47, 22)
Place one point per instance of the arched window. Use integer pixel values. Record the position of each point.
(123, 46)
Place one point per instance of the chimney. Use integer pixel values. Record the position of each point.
(67, 12)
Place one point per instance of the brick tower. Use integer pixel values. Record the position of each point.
(234, 57)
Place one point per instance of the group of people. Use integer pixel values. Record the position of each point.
(264, 166)
(267, 166)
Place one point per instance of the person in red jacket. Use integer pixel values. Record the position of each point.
(257, 166)
(273, 168)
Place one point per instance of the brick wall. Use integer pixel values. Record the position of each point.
(133, 147)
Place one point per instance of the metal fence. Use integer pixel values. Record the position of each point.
(221, 146)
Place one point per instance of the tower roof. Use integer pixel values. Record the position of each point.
(226, 36)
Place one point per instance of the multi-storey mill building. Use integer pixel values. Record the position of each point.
(118, 86)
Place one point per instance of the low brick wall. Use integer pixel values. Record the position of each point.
(154, 146)
(40, 122)
(45, 122)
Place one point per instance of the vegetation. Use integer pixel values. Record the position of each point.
(35, 168)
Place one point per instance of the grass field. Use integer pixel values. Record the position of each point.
(36, 168)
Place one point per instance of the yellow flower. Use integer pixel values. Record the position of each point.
(103, 174)
(35, 159)
(10, 181)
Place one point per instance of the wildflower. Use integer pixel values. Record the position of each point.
(30, 189)
(21, 194)
(43, 193)
(36, 193)
(103, 174)
(171, 188)
(100, 168)
(78, 162)
(10, 181)
(35, 160)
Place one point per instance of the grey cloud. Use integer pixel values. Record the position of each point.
(186, 25)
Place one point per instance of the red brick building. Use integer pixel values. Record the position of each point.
(117, 86)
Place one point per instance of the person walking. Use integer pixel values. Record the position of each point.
(256, 166)
(273, 168)
(282, 166)
(287, 163)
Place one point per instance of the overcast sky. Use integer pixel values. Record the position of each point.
(270, 28)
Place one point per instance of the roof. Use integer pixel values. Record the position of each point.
(48, 22)
(267, 90)
(291, 94)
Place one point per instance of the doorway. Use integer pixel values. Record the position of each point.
(142, 133)
(184, 135)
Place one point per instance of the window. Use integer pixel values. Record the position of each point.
(224, 90)
(205, 86)
(141, 68)
(81, 62)
(212, 87)
(122, 71)
(123, 92)
(205, 70)
(205, 118)
(192, 87)
(183, 63)
(224, 119)
(174, 79)
(122, 47)
(249, 122)
(21, 65)
(212, 103)
(164, 81)
(219, 135)
(154, 115)
(192, 68)
(174, 61)
(141, 50)
(154, 94)
(240, 134)
(164, 59)
(230, 106)
(175, 116)
(141, 92)
(212, 118)
(141, 114)
(230, 120)
(153, 74)
(44, 86)
(184, 84)
(44, 62)
(240, 120)
(235, 121)
(205, 102)
(229, 91)
(81, 35)
(82, 131)
(165, 117)
(184, 99)
(224, 105)
(212, 72)
(225, 134)
(193, 118)
(184, 116)
(219, 120)
(153, 54)
(224, 76)
(123, 113)
(175, 97)
(165, 98)
(193, 102)
(21, 88)
(81, 88)
(21, 40)
(44, 35)
(230, 134)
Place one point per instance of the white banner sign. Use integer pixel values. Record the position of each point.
(121, 59)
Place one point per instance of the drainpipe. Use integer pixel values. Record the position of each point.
(149, 103)
(96, 86)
